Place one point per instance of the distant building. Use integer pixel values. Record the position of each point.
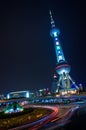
(43, 92)
(18, 94)
(1, 97)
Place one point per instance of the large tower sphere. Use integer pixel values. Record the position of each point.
(63, 68)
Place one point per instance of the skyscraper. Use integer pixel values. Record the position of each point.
(65, 82)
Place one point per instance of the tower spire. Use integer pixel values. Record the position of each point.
(51, 18)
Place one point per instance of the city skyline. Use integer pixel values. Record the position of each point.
(27, 51)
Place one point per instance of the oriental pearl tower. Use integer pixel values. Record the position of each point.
(65, 82)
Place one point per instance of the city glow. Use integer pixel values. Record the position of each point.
(73, 91)
(64, 92)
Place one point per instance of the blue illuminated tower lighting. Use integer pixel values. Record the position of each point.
(62, 67)
(55, 34)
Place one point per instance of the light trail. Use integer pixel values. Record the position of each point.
(39, 123)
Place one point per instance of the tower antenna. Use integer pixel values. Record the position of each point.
(51, 19)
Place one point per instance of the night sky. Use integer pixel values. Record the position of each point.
(27, 55)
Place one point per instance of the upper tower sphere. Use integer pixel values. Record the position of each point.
(54, 32)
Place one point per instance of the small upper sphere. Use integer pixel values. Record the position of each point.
(54, 32)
